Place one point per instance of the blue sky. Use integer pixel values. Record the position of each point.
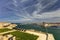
(30, 10)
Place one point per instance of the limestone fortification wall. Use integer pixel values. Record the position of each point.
(7, 25)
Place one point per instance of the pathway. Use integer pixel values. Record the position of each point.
(42, 36)
(8, 31)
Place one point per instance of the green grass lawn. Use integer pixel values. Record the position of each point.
(24, 36)
(4, 30)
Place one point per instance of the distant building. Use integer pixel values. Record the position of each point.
(7, 25)
(51, 24)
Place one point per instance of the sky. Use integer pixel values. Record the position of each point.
(29, 11)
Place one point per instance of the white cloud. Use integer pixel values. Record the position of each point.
(47, 14)
(40, 7)
(19, 20)
(27, 17)
(15, 3)
(23, 0)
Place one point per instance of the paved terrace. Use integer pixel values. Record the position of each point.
(42, 36)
